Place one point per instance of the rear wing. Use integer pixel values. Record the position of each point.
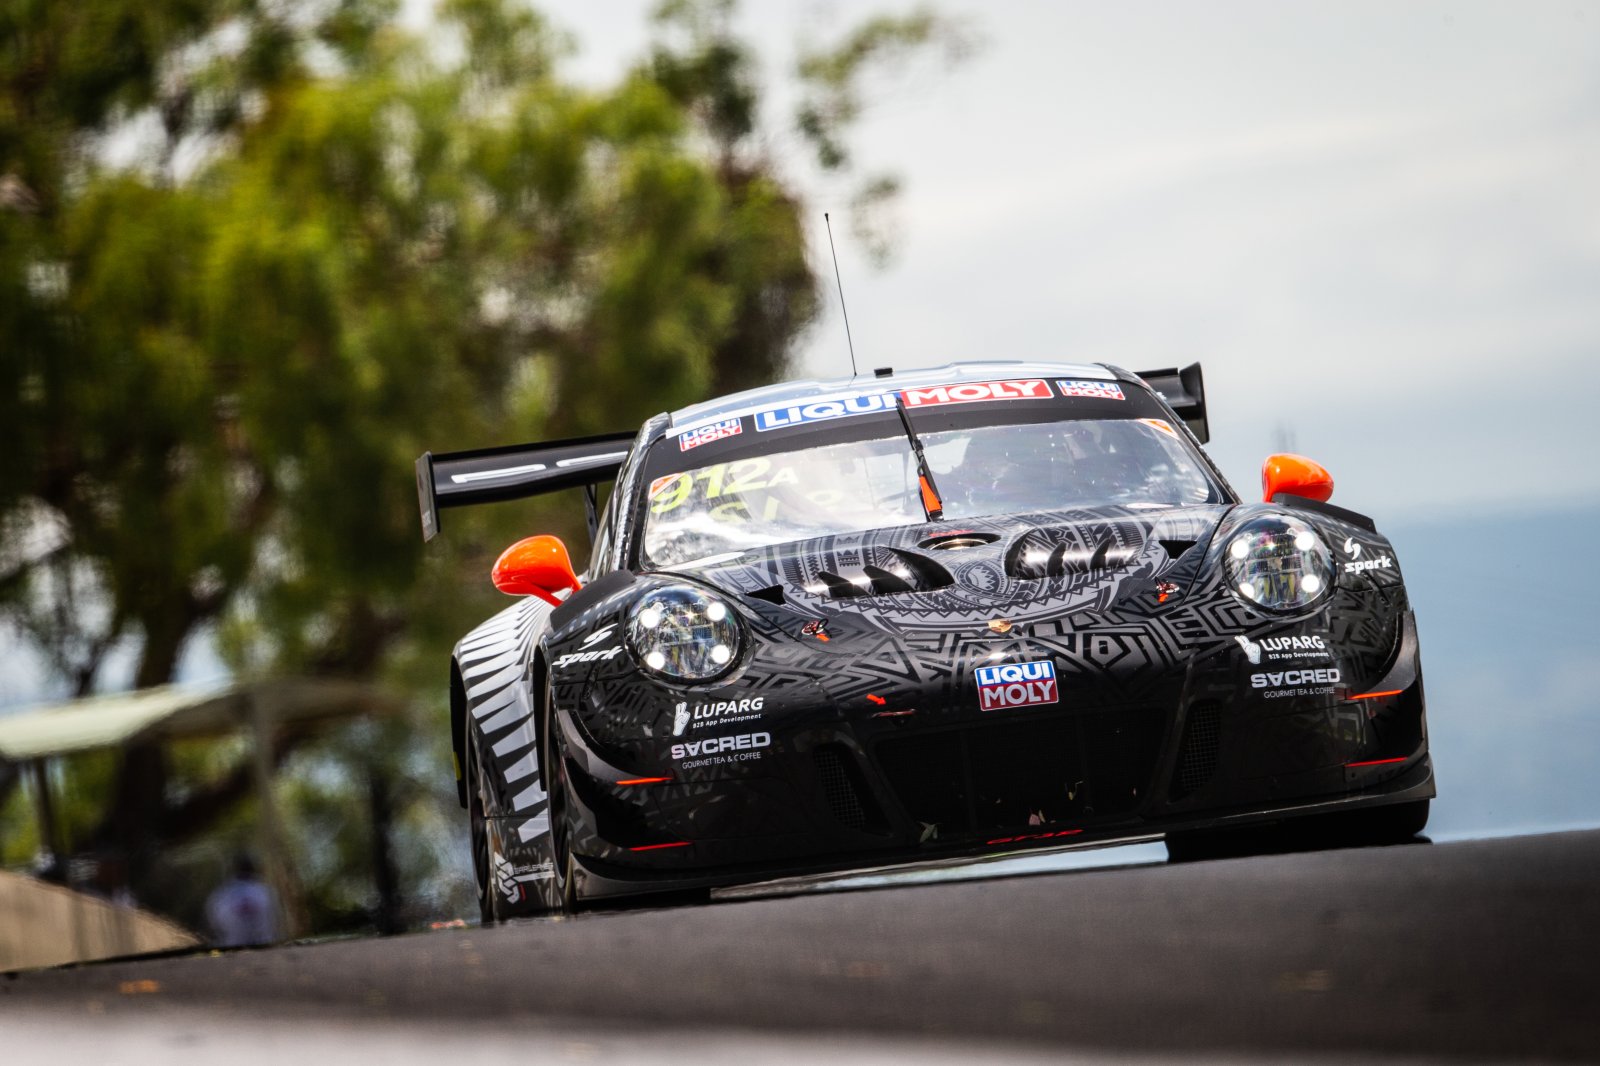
(461, 479)
(1185, 392)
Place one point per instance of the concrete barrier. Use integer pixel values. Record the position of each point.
(47, 925)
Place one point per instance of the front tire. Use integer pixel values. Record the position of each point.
(563, 866)
(478, 827)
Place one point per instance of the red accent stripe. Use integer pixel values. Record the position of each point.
(653, 847)
(644, 780)
(1035, 836)
(1376, 762)
(894, 714)
(1375, 695)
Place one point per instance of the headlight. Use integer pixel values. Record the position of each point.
(683, 633)
(1279, 563)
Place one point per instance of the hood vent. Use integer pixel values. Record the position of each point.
(894, 572)
(1042, 553)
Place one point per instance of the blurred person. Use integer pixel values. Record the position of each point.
(243, 911)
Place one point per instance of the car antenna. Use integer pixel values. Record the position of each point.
(838, 280)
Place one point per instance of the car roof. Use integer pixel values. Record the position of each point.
(770, 397)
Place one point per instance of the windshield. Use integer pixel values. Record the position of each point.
(867, 484)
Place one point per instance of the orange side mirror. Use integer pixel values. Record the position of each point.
(537, 566)
(1296, 475)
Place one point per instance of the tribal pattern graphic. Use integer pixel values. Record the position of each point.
(937, 688)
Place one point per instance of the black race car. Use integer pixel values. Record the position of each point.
(926, 614)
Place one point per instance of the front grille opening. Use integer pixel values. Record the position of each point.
(845, 790)
(929, 775)
(1033, 775)
(1010, 775)
(1197, 753)
(1121, 750)
(616, 819)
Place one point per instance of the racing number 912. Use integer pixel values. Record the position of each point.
(733, 479)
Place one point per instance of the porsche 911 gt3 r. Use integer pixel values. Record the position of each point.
(936, 613)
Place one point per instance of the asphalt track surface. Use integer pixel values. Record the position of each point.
(1474, 950)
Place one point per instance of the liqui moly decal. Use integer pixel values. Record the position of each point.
(1097, 390)
(1016, 685)
(823, 410)
(728, 427)
(976, 391)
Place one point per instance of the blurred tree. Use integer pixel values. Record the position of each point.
(255, 256)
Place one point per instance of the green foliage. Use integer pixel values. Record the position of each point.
(327, 248)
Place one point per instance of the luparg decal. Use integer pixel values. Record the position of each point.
(1312, 648)
(715, 712)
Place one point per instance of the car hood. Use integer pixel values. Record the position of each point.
(948, 574)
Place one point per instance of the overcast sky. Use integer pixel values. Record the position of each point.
(1376, 225)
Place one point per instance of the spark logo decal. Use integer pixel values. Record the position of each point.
(597, 636)
(728, 427)
(1016, 685)
(1358, 565)
(1096, 390)
(1021, 389)
(588, 656)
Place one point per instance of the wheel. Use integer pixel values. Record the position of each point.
(564, 895)
(478, 827)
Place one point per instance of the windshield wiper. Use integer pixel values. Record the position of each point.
(932, 504)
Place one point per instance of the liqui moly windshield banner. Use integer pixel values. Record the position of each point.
(1016, 685)
(822, 410)
(977, 392)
